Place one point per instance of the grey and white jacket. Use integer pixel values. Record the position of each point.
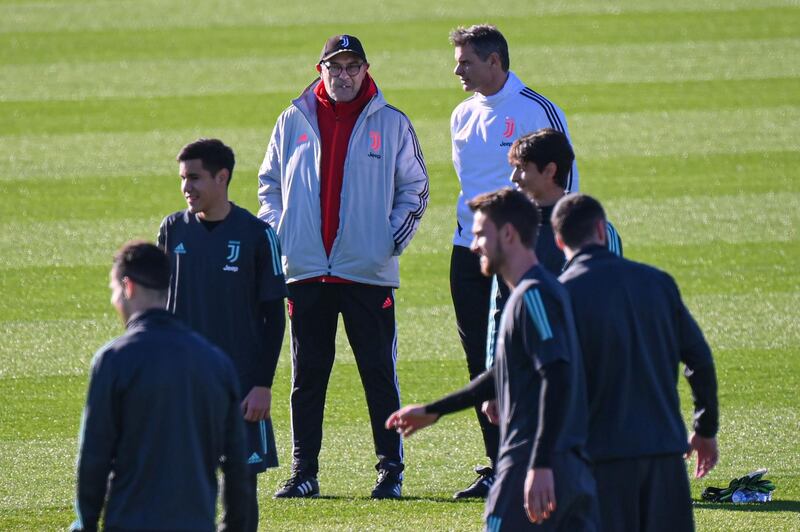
(384, 193)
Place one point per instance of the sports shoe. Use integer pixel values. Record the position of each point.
(480, 488)
(389, 485)
(298, 485)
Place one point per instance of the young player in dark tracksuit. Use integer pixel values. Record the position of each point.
(542, 473)
(227, 284)
(161, 411)
(542, 161)
(634, 331)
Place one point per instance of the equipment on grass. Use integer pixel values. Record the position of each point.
(749, 488)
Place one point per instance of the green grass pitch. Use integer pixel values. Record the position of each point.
(685, 117)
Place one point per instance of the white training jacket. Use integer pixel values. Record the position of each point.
(482, 129)
(384, 193)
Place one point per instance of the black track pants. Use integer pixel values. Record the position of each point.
(649, 493)
(369, 321)
(471, 293)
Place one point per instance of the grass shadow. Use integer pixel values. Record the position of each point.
(772, 506)
(409, 498)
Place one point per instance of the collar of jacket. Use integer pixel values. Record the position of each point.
(587, 253)
(149, 315)
(366, 92)
(307, 103)
(511, 87)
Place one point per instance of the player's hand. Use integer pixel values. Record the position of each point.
(707, 454)
(489, 409)
(257, 403)
(410, 419)
(540, 494)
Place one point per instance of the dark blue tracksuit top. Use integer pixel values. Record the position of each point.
(161, 411)
(634, 330)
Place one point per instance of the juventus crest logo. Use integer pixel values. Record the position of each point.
(374, 140)
(509, 128)
(345, 42)
(233, 251)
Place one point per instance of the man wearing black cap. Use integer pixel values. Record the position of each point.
(161, 411)
(344, 184)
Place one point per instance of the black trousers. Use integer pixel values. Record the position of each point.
(250, 523)
(369, 321)
(471, 293)
(646, 494)
(576, 498)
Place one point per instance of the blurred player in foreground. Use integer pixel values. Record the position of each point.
(634, 331)
(161, 412)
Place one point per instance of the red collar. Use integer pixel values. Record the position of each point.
(365, 94)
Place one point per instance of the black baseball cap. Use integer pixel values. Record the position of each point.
(342, 43)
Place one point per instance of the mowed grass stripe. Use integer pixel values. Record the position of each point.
(770, 322)
(93, 15)
(679, 221)
(769, 325)
(69, 46)
(625, 63)
(153, 196)
(46, 292)
(53, 347)
(722, 267)
(667, 176)
(259, 109)
(594, 135)
(31, 414)
(684, 132)
(742, 218)
(702, 268)
(642, 222)
(768, 388)
(143, 196)
(69, 243)
(63, 347)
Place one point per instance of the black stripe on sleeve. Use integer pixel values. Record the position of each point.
(552, 117)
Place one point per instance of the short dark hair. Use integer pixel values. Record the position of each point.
(144, 264)
(510, 206)
(542, 147)
(213, 153)
(574, 219)
(485, 39)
